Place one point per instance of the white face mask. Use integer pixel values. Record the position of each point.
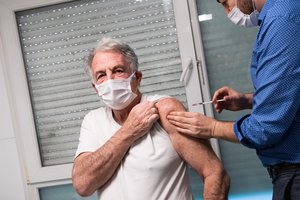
(116, 93)
(241, 19)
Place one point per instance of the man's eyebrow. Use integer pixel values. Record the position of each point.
(119, 66)
(111, 69)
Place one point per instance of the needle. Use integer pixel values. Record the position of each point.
(207, 102)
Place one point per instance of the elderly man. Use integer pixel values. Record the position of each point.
(128, 149)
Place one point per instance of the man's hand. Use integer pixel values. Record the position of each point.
(200, 126)
(234, 101)
(141, 118)
(193, 124)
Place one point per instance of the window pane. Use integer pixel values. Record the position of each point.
(227, 50)
(62, 192)
(56, 38)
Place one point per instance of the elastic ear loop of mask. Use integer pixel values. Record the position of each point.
(253, 5)
(133, 75)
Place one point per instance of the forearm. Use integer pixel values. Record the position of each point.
(196, 152)
(216, 184)
(92, 170)
(199, 154)
(224, 130)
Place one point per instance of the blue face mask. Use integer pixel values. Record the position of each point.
(241, 19)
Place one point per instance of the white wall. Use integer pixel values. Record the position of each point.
(14, 96)
(12, 168)
(12, 181)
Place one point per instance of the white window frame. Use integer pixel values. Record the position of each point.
(197, 90)
(36, 175)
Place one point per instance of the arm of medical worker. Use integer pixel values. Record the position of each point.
(196, 152)
(200, 126)
(91, 170)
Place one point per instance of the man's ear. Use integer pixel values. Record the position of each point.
(138, 76)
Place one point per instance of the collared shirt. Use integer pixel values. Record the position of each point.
(273, 128)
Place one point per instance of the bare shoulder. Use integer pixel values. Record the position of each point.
(169, 104)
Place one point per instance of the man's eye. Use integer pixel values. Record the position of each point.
(100, 76)
(119, 71)
(222, 1)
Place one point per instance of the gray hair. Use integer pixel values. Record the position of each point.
(109, 44)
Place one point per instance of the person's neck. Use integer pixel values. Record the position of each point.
(121, 115)
(259, 4)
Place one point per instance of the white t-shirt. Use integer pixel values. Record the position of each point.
(152, 169)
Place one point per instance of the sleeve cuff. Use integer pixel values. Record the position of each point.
(239, 132)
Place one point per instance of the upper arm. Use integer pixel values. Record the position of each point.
(165, 106)
(196, 152)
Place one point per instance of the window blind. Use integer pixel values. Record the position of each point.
(227, 50)
(56, 38)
